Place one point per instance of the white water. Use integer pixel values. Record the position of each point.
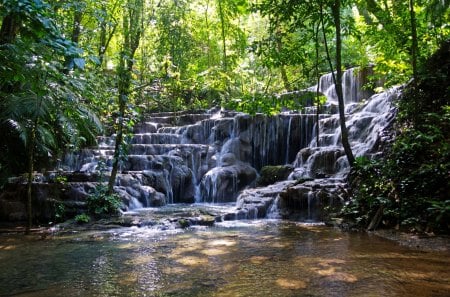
(211, 157)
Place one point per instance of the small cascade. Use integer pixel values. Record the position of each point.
(366, 119)
(211, 156)
(317, 182)
(206, 157)
(215, 156)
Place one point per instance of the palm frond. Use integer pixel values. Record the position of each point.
(47, 141)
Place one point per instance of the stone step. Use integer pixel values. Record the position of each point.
(156, 149)
(174, 113)
(156, 138)
(149, 127)
(178, 120)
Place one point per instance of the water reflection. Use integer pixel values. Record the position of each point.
(255, 258)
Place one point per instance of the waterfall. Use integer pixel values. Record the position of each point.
(212, 156)
(366, 118)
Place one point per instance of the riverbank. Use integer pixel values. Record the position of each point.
(424, 241)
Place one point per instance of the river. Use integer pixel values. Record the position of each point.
(239, 258)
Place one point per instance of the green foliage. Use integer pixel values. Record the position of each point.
(41, 104)
(372, 189)
(100, 202)
(59, 210)
(411, 182)
(82, 218)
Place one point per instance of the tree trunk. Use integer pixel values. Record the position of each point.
(316, 44)
(224, 48)
(338, 83)
(118, 142)
(376, 220)
(337, 78)
(30, 153)
(414, 47)
(208, 39)
(132, 29)
(75, 38)
(284, 76)
(10, 27)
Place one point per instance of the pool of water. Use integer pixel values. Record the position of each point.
(243, 258)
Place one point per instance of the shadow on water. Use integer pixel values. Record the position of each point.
(252, 258)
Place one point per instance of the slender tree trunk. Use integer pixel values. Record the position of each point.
(106, 32)
(8, 32)
(338, 83)
(316, 33)
(132, 31)
(415, 46)
(283, 73)
(75, 38)
(76, 30)
(337, 78)
(208, 38)
(224, 48)
(118, 142)
(30, 153)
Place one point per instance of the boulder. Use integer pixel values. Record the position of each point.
(222, 184)
(272, 174)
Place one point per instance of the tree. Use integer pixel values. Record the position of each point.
(304, 15)
(336, 10)
(42, 110)
(133, 14)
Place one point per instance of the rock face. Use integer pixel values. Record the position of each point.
(215, 156)
(317, 183)
(222, 184)
(208, 157)
(272, 174)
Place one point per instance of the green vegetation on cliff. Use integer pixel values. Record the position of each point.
(410, 186)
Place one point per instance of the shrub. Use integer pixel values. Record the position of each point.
(100, 202)
(82, 218)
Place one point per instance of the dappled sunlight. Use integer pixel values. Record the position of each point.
(188, 246)
(127, 246)
(388, 255)
(192, 260)
(229, 267)
(140, 260)
(280, 245)
(332, 274)
(214, 252)
(222, 242)
(7, 247)
(259, 259)
(127, 279)
(331, 268)
(291, 284)
(279, 260)
(174, 270)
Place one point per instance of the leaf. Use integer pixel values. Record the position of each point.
(79, 63)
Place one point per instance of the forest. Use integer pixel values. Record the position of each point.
(224, 148)
(73, 70)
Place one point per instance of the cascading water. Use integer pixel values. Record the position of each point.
(213, 156)
(318, 180)
(209, 157)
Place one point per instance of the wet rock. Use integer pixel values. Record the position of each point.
(222, 184)
(228, 159)
(272, 174)
(257, 202)
(310, 200)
